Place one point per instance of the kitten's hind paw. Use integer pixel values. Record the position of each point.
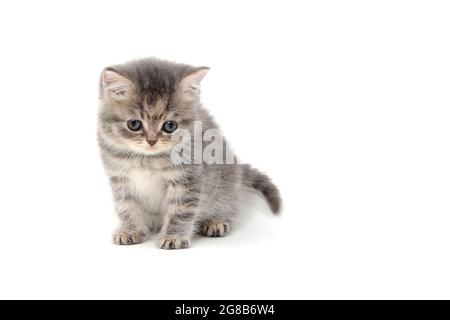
(215, 229)
(168, 243)
(128, 237)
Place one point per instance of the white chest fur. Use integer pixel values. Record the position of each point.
(148, 186)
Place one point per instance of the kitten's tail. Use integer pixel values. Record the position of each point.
(252, 178)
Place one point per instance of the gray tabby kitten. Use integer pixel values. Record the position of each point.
(143, 104)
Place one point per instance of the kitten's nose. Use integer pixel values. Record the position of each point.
(151, 141)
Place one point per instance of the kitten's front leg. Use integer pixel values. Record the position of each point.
(133, 229)
(178, 227)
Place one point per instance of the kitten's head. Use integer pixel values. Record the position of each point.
(145, 102)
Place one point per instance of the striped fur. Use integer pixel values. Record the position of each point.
(151, 193)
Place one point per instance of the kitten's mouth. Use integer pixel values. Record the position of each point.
(153, 149)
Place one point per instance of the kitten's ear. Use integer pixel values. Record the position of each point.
(190, 85)
(115, 85)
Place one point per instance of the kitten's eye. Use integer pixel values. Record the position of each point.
(134, 125)
(169, 126)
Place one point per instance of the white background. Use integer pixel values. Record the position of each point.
(345, 104)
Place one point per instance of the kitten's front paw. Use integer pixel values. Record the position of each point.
(173, 243)
(215, 229)
(128, 237)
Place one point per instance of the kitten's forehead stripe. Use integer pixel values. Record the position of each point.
(153, 77)
(141, 112)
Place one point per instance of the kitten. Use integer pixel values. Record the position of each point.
(143, 105)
